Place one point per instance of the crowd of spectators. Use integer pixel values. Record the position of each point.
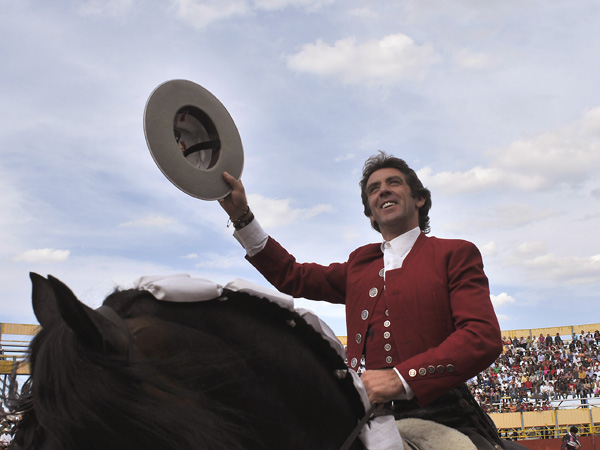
(531, 372)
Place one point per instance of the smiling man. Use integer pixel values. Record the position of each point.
(418, 308)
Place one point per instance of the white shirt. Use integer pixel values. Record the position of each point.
(395, 251)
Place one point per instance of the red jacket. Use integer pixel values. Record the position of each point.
(443, 323)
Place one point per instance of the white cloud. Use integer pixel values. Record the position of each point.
(217, 261)
(310, 5)
(364, 12)
(530, 249)
(105, 7)
(199, 14)
(351, 235)
(489, 249)
(569, 269)
(478, 179)
(474, 61)
(346, 157)
(501, 299)
(449, 183)
(515, 215)
(152, 221)
(567, 155)
(394, 57)
(43, 255)
(501, 217)
(278, 212)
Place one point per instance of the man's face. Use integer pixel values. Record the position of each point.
(392, 205)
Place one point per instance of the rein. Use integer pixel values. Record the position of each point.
(350, 440)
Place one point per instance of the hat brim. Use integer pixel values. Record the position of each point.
(168, 101)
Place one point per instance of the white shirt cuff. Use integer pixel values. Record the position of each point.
(408, 392)
(252, 237)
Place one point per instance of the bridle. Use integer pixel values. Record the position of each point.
(350, 439)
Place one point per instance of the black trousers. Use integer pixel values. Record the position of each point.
(456, 409)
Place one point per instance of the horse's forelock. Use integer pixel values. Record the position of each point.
(132, 302)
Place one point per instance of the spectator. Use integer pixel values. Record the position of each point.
(558, 340)
(534, 373)
(5, 438)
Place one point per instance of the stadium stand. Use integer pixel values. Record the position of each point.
(14, 341)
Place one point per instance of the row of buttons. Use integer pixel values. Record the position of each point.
(364, 315)
(431, 370)
(387, 347)
(386, 335)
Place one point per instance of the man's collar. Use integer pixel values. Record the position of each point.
(404, 241)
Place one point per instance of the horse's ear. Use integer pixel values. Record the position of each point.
(44, 300)
(53, 300)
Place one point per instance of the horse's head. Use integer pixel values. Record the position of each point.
(101, 330)
(137, 373)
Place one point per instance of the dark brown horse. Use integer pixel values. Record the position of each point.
(236, 372)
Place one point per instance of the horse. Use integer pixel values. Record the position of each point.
(236, 372)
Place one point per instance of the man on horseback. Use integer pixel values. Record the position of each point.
(418, 308)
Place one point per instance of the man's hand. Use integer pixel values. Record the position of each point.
(235, 203)
(382, 385)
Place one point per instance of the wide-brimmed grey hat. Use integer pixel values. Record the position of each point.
(192, 139)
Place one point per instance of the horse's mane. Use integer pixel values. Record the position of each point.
(126, 403)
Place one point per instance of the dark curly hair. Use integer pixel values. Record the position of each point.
(383, 161)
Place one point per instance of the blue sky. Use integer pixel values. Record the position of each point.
(495, 104)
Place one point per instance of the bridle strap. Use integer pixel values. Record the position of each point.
(350, 440)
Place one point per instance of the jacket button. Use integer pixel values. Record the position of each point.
(373, 292)
(422, 371)
(382, 273)
(450, 368)
(412, 373)
(387, 323)
(431, 369)
(354, 362)
(440, 369)
(358, 338)
(386, 335)
(388, 359)
(364, 315)
(387, 347)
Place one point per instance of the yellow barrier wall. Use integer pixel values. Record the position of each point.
(530, 419)
(562, 330)
(539, 419)
(571, 416)
(18, 329)
(507, 420)
(596, 415)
